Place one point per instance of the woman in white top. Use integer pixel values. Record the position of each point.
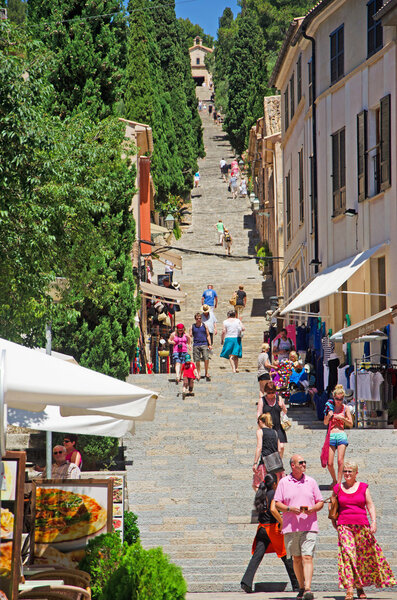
(231, 339)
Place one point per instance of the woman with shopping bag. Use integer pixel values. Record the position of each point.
(267, 453)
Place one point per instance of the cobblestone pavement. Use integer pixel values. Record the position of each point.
(338, 595)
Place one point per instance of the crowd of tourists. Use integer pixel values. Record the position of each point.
(287, 504)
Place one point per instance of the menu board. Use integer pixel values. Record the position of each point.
(12, 476)
(118, 503)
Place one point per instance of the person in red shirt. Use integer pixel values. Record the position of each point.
(189, 374)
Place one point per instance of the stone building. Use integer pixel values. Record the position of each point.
(198, 53)
(337, 76)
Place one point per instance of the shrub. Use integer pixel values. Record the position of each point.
(145, 575)
(131, 529)
(103, 554)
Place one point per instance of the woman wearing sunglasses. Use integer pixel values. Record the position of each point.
(337, 417)
(72, 454)
(361, 561)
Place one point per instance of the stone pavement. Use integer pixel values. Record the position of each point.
(337, 595)
(210, 202)
(190, 481)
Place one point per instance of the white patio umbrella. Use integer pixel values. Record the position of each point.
(35, 382)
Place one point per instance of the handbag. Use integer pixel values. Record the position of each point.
(273, 463)
(233, 299)
(285, 422)
(325, 450)
(333, 507)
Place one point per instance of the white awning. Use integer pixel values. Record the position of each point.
(151, 290)
(163, 253)
(330, 280)
(367, 326)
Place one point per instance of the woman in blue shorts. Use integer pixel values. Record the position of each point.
(338, 417)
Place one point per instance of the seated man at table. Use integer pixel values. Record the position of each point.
(62, 469)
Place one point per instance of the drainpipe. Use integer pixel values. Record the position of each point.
(314, 146)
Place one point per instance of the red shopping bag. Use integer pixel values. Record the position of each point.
(325, 451)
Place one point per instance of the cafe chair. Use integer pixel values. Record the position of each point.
(54, 592)
(69, 576)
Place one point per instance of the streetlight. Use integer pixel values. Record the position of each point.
(169, 222)
(255, 204)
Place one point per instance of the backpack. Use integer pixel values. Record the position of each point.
(228, 237)
(290, 341)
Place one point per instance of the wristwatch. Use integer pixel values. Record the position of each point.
(287, 508)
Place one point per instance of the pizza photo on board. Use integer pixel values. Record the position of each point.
(68, 514)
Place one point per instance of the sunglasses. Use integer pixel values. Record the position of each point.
(66, 441)
(302, 462)
(347, 471)
(58, 452)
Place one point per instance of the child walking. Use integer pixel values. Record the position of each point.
(189, 374)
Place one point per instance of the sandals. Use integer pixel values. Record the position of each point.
(349, 596)
(361, 594)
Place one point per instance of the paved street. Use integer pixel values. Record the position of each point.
(337, 595)
(190, 481)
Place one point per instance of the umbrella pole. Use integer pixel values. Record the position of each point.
(3, 421)
(48, 436)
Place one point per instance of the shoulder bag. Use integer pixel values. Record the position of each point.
(325, 450)
(333, 507)
(273, 463)
(233, 299)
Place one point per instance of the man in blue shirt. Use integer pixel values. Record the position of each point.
(210, 297)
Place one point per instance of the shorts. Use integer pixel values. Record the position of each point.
(300, 543)
(338, 438)
(264, 377)
(179, 357)
(200, 353)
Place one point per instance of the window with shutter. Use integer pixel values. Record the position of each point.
(301, 187)
(286, 110)
(299, 79)
(292, 95)
(288, 205)
(338, 173)
(374, 28)
(362, 161)
(337, 54)
(385, 147)
(310, 80)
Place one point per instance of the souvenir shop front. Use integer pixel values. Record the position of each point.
(358, 357)
(159, 309)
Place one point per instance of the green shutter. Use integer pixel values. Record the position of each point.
(362, 170)
(385, 146)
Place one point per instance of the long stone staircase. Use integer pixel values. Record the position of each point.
(190, 482)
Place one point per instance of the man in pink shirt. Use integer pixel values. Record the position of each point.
(299, 498)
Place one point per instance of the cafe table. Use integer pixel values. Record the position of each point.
(37, 583)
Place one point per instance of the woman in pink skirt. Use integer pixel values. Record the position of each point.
(361, 561)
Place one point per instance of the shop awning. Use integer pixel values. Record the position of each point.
(366, 326)
(160, 291)
(330, 280)
(163, 253)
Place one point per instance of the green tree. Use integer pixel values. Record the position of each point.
(170, 51)
(89, 49)
(246, 77)
(16, 11)
(219, 64)
(65, 192)
(190, 31)
(147, 101)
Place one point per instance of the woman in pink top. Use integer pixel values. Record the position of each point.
(72, 454)
(361, 561)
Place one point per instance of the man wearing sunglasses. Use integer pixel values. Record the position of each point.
(62, 469)
(299, 498)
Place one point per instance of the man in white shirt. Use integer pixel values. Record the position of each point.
(62, 469)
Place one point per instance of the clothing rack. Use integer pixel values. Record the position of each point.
(360, 415)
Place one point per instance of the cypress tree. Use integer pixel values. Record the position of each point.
(16, 11)
(166, 31)
(89, 49)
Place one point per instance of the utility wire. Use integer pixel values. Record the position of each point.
(191, 251)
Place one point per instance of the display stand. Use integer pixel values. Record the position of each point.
(370, 414)
(12, 470)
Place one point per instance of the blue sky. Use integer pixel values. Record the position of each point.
(204, 12)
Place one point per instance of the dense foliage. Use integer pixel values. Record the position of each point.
(65, 191)
(246, 50)
(89, 50)
(16, 10)
(103, 554)
(131, 529)
(145, 574)
(190, 31)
